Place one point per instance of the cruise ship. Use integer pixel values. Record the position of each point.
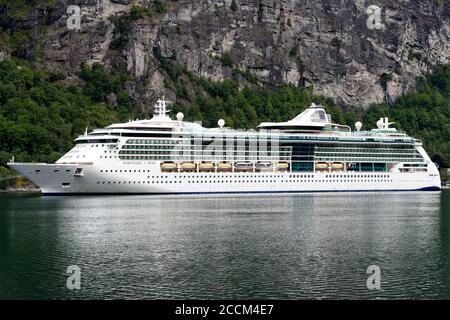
(309, 153)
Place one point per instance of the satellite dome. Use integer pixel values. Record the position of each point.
(358, 125)
(180, 116)
(221, 123)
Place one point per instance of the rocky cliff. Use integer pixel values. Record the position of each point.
(355, 51)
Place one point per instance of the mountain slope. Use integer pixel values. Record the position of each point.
(323, 44)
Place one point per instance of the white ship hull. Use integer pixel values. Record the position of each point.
(146, 178)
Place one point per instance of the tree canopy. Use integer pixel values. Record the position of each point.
(39, 118)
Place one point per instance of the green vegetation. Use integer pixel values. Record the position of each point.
(16, 42)
(247, 74)
(99, 83)
(336, 42)
(15, 32)
(39, 119)
(18, 10)
(424, 114)
(294, 50)
(384, 79)
(226, 59)
(8, 178)
(159, 6)
(168, 64)
(445, 176)
(123, 23)
(118, 42)
(233, 5)
(416, 55)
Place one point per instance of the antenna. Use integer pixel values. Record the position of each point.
(160, 107)
(384, 123)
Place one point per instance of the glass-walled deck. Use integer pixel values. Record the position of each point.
(301, 156)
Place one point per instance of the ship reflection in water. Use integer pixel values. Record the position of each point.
(292, 246)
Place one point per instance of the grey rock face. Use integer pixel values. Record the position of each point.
(339, 47)
(122, 1)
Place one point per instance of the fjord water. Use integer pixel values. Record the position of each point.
(259, 246)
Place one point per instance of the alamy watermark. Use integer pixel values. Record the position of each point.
(73, 281)
(218, 146)
(374, 280)
(74, 20)
(374, 21)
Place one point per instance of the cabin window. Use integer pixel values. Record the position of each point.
(65, 184)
